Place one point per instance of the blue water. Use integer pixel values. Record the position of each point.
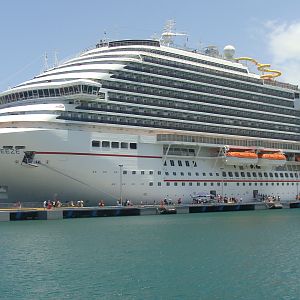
(234, 255)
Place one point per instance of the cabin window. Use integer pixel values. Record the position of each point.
(172, 162)
(95, 143)
(115, 144)
(133, 146)
(179, 163)
(105, 144)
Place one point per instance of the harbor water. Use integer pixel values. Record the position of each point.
(232, 255)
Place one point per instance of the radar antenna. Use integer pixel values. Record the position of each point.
(169, 32)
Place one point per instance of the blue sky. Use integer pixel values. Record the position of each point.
(266, 30)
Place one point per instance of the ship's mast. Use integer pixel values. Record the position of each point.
(169, 33)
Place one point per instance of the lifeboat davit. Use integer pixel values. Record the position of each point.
(236, 157)
(276, 159)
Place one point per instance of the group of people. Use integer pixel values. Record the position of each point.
(50, 204)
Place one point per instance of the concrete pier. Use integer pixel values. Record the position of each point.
(118, 211)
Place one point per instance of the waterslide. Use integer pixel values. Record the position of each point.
(262, 67)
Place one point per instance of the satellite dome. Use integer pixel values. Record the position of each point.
(229, 52)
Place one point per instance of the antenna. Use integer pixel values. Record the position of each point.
(46, 67)
(169, 32)
(55, 59)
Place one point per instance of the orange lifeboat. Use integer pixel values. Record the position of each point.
(273, 158)
(240, 157)
(245, 154)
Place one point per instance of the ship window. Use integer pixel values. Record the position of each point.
(124, 145)
(142, 172)
(277, 183)
(150, 183)
(132, 145)
(236, 174)
(183, 183)
(168, 183)
(254, 174)
(195, 164)
(41, 94)
(166, 173)
(172, 162)
(255, 183)
(225, 183)
(230, 174)
(203, 174)
(291, 175)
(165, 163)
(115, 144)
(261, 183)
(105, 144)
(187, 163)
(281, 175)
(224, 174)
(159, 183)
(197, 174)
(250, 183)
(210, 174)
(133, 172)
(237, 183)
(175, 183)
(276, 175)
(217, 174)
(46, 93)
(189, 174)
(179, 163)
(95, 143)
(286, 174)
(181, 173)
(124, 172)
(296, 175)
(57, 92)
(198, 183)
(190, 183)
(265, 174)
(271, 175)
(242, 174)
(174, 173)
(259, 174)
(84, 88)
(52, 94)
(150, 172)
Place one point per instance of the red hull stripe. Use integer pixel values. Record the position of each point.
(227, 180)
(96, 154)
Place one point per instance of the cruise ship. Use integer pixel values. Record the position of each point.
(144, 120)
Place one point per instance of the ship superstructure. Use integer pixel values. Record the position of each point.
(142, 120)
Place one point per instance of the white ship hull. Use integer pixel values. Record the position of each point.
(66, 167)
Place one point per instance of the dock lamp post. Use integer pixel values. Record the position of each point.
(121, 184)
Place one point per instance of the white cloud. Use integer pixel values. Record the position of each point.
(283, 41)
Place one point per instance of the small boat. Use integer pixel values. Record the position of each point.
(166, 210)
(240, 157)
(274, 205)
(275, 158)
